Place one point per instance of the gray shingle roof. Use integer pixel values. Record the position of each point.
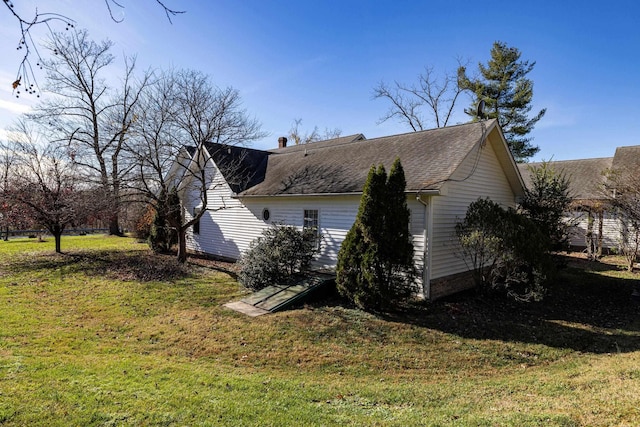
(585, 175)
(320, 144)
(627, 158)
(241, 167)
(337, 166)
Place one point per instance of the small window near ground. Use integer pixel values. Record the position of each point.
(311, 223)
(196, 225)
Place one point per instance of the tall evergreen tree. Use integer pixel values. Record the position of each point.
(359, 268)
(375, 263)
(371, 204)
(398, 245)
(372, 217)
(159, 227)
(507, 92)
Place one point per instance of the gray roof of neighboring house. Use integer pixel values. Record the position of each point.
(585, 175)
(341, 165)
(320, 144)
(627, 158)
(588, 175)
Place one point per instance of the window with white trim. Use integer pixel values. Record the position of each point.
(196, 225)
(311, 223)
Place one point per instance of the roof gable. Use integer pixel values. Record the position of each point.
(241, 167)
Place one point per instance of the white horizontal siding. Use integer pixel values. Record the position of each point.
(336, 215)
(227, 227)
(611, 230)
(479, 176)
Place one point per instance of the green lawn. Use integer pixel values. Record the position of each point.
(110, 335)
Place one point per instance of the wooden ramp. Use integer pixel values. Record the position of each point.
(278, 297)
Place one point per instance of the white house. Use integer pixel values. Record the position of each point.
(320, 185)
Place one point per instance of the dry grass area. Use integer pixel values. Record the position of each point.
(109, 334)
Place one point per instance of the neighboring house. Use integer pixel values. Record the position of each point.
(587, 178)
(319, 185)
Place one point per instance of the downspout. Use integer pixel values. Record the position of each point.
(426, 243)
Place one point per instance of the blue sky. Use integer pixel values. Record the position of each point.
(319, 60)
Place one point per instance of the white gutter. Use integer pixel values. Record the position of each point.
(355, 193)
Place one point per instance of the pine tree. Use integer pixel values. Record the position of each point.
(399, 251)
(375, 263)
(360, 270)
(507, 93)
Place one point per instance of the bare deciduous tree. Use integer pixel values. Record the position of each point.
(44, 181)
(593, 210)
(26, 22)
(300, 137)
(429, 101)
(622, 192)
(7, 209)
(184, 118)
(86, 114)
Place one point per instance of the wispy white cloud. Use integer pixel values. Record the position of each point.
(14, 107)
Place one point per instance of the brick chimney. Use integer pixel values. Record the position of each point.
(282, 142)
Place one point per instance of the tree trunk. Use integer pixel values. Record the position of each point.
(114, 213)
(58, 238)
(6, 234)
(182, 245)
(589, 236)
(600, 234)
(114, 225)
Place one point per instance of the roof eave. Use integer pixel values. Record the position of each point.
(506, 159)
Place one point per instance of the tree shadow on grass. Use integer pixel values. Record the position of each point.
(118, 265)
(609, 264)
(227, 267)
(583, 311)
